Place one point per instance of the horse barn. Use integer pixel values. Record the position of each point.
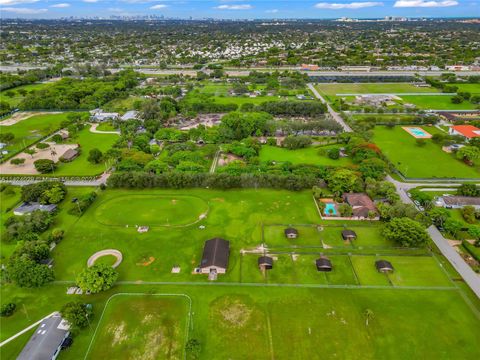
(349, 235)
(216, 252)
(265, 263)
(383, 266)
(323, 264)
(291, 233)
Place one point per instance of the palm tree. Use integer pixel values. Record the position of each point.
(369, 315)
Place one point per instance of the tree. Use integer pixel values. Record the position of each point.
(468, 153)
(468, 213)
(439, 216)
(333, 153)
(27, 273)
(45, 165)
(95, 156)
(343, 180)
(30, 152)
(374, 168)
(97, 278)
(7, 309)
(77, 314)
(297, 142)
(193, 349)
(6, 137)
(474, 232)
(456, 99)
(345, 210)
(468, 190)
(453, 227)
(406, 232)
(17, 161)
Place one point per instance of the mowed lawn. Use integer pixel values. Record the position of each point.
(372, 88)
(148, 327)
(32, 129)
(87, 141)
(17, 98)
(440, 102)
(415, 161)
(252, 322)
(309, 155)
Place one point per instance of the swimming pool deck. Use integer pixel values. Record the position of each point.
(417, 132)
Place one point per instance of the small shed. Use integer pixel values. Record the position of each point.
(48, 262)
(383, 266)
(265, 263)
(349, 235)
(143, 229)
(69, 155)
(323, 264)
(291, 233)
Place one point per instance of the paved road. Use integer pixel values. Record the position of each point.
(332, 112)
(465, 271)
(470, 277)
(26, 181)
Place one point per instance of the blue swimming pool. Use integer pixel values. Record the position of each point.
(418, 132)
(330, 209)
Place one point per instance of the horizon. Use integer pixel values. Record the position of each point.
(238, 9)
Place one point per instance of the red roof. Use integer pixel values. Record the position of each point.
(469, 131)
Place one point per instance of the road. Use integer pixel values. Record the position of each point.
(31, 180)
(470, 277)
(332, 112)
(465, 271)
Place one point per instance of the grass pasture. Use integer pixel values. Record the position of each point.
(332, 89)
(433, 102)
(428, 161)
(312, 155)
(142, 326)
(17, 97)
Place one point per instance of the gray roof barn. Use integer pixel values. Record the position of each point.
(383, 266)
(348, 234)
(323, 264)
(265, 262)
(27, 208)
(129, 115)
(215, 253)
(45, 343)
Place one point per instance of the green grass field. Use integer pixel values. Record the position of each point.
(428, 161)
(471, 88)
(432, 102)
(308, 155)
(17, 98)
(371, 88)
(292, 303)
(30, 130)
(148, 327)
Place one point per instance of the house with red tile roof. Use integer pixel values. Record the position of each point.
(467, 131)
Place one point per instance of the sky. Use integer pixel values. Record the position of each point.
(239, 9)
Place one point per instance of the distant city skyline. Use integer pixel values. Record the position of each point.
(239, 9)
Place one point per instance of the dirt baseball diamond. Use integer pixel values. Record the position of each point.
(99, 254)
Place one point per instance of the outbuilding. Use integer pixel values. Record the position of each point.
(323, 264)
(28, 208)
(349, 235)
(216, 252)
(69, 155)
(383, 266)
(265, 263)
(291, 233)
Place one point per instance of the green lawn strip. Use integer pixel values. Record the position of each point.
(226, 318)
(31, 130)
(415, 161)
(308, 155)
(367, 236)
(471, 88)
(142, 325)
(372, 88)
(433, 102)
(308, 235)
(105, 126)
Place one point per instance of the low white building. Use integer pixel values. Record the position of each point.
(458, 202)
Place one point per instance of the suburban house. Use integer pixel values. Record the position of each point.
(383, 266)
(458, 202)
(47, 341)
(69, 155)
(349, 235)
(467, 131)
(129, 115)
(215, 257)
(323, 264)
(265, 263)
(27, 208)
(362, 205)
(98, 115)
(291, 233)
